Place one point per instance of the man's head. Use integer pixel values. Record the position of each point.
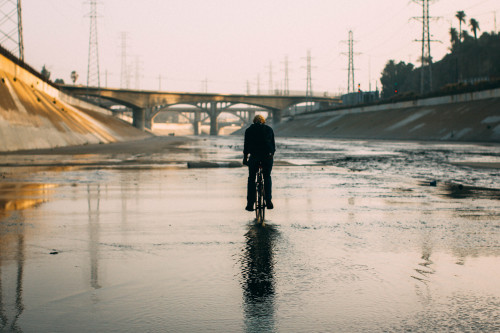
(259, 119)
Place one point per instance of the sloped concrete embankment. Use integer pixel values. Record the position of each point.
(469, 117)
(34, 115)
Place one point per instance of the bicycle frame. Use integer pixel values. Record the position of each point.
(260, 202)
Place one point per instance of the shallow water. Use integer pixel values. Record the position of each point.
(359, 240)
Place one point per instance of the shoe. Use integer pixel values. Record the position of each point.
(269, 204)
(249, 207)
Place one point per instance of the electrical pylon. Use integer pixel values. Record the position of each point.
(270, 89)
(350, 65)
(11, 27)
(350, 68)
(124, 74)
(286, 89)
(309, 91)
(426, 58)
(93, 75)
(258, 84)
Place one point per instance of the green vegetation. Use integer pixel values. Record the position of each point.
(45, 73)
(472, 64)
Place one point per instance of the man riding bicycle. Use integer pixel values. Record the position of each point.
(259, 144)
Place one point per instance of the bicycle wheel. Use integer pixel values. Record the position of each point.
(259, 202)
(262, 202)
(257, 206)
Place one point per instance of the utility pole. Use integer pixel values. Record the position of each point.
(495, 20)
(286, 89)
(369, 74)
(426, 58)
(11, 27)
(93, 77)
(138, 69)
(204, 85)
(309, 91)
(258, 84)
(270, 91)
(124, 77)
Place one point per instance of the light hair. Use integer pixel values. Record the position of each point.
(259, 119)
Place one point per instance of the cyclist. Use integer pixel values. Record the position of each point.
(259, 144)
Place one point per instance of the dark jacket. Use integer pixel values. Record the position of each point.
(259, 141)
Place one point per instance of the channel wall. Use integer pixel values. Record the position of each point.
(35, 115)
(471, 117)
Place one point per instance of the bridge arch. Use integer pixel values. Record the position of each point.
(143, 102)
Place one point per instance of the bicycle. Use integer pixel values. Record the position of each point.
(260, 202)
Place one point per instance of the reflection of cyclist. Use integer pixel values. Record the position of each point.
(259, 144)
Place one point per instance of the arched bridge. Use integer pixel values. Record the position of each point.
(146, 104)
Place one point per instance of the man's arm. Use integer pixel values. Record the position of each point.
(271, 145)
(245, 149)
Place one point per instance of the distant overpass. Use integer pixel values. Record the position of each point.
(147, 104)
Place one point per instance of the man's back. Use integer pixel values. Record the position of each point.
(259, 140)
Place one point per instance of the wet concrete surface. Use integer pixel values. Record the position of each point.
(366, 236)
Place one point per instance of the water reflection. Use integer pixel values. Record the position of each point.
(13, 199)
(425, 269)
(6, 324)
(93, 199)
(258, 279)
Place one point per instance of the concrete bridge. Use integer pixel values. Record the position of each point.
(146, 105)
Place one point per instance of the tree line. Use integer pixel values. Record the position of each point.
(472, 64)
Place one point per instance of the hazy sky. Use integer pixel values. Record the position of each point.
(230, 42)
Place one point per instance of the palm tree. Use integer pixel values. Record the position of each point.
(474, 26)
(454, 37)
(461, 18)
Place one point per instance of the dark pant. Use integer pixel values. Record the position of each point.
(253, 166)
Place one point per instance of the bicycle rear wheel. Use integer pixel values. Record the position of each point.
(260, 206)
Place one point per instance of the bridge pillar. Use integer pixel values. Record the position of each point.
(214, 128)
(139, 118)
(197, 122)
(148, 118)
(251, 115)
(277, 116)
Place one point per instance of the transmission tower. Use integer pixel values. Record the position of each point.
(270, 91)
(93, 77)
(11, 27)
(138, 70)
(124, 75)
(309, 91)
(286, 89)
(258, 84)
(350, 66)
(426, 58)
